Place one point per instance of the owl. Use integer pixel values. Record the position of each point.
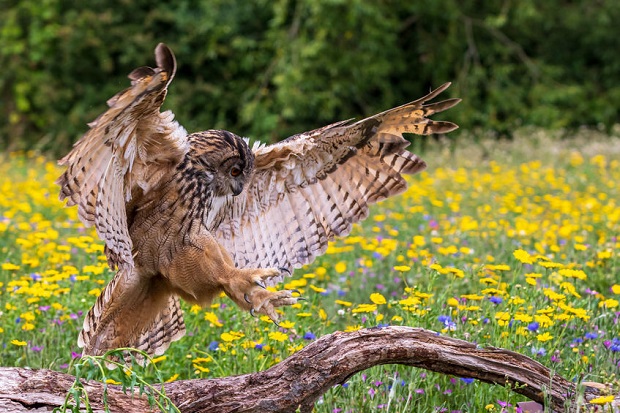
(189, 216)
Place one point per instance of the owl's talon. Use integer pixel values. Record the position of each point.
(250, 292)
(286, 270)
(299, 297)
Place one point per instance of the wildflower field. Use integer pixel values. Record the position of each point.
(508, 244)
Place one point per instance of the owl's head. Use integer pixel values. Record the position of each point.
(222, 159)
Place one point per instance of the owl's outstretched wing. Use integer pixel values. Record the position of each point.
(312, 187)
(127, 149)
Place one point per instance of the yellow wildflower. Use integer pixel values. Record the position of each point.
(502, 318)
(340, 267)
(173, 378)
(231, 336)
(158, 359)
(95, 292)
(472, 297)
(609, 303)
(199, 360)
(550, 264)
(287, 324)
(525, 318)
(411, 301)
(544, 337)
(523, 256)
(603, 399)
(452, 302)
(377, 298)
(28, 326)
(365, 308)
(200, 369)
(568, 272)
(7, 266)
(498, 267)
(552, 295)
(278, 336)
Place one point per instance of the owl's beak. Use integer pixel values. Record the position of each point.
(236, 189)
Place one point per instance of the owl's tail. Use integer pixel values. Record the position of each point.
(132, 312)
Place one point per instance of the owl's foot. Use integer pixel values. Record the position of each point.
(252, 294)
(266, 302)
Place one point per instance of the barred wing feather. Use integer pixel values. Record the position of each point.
(312, 187)
(122, 154)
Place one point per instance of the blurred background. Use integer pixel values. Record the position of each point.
(267, 69)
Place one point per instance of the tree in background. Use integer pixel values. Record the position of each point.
(269, 69)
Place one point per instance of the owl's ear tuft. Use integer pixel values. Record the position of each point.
(165, 60)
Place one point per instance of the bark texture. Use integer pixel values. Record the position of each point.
(298, 381)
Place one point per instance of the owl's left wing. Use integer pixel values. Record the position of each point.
(312, 187)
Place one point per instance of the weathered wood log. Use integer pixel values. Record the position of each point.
(297, 382)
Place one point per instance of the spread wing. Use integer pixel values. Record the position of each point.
(124, 153)
(312, 187)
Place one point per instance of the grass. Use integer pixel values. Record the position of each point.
(510, 244)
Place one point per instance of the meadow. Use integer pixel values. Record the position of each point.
(512, 244)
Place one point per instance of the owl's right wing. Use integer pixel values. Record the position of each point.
(126, 151)
(312, 187)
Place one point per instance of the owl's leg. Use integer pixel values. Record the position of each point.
(199, 272)
(247, 289)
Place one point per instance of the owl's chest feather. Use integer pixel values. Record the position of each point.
(170, 217)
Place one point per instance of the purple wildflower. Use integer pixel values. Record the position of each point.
(496, 300)
(309, 336)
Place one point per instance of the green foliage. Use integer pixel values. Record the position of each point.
(109, 370)
(269, 69)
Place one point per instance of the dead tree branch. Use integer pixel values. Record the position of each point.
(298, 381)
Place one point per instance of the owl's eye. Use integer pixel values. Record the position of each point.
(235, 171)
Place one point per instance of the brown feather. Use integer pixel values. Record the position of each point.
(132, 312)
